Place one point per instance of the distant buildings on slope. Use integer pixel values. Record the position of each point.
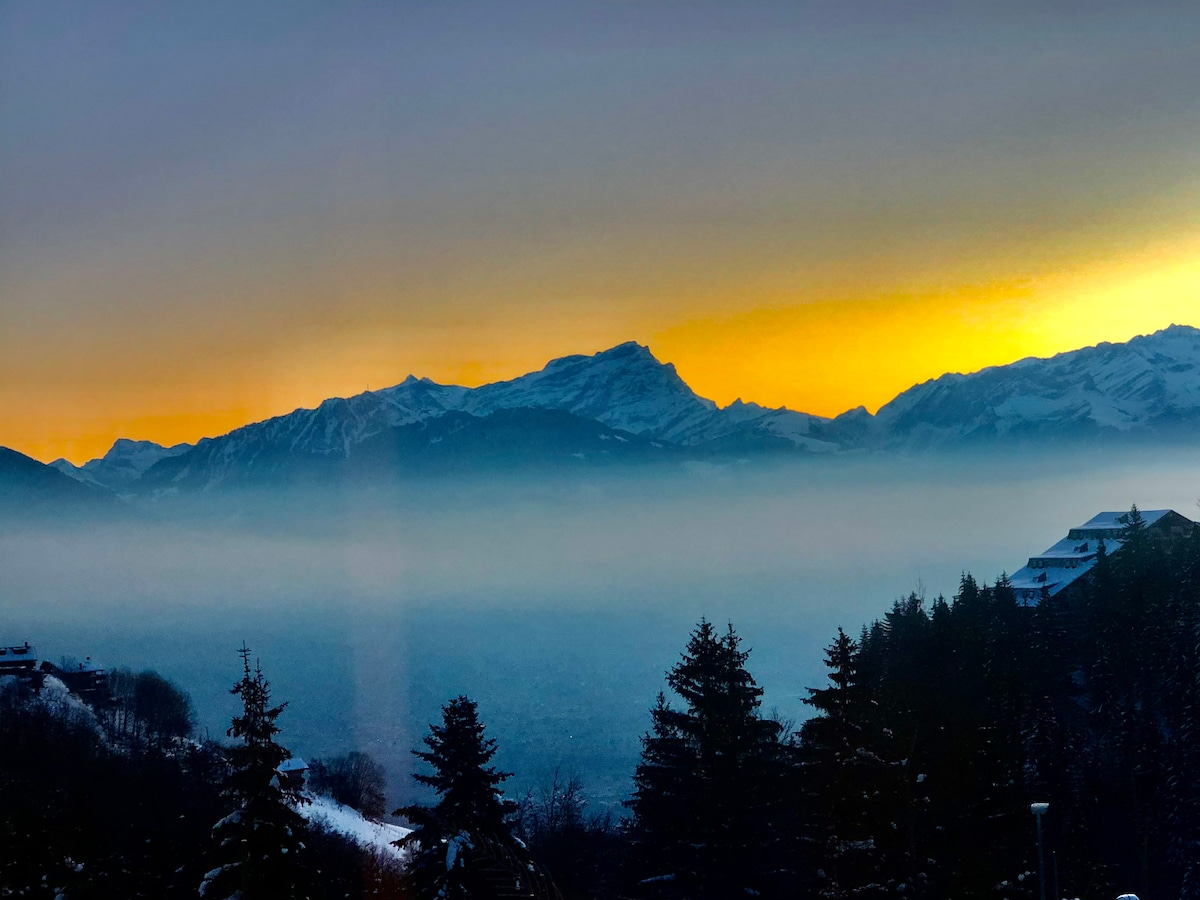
(1065, 563)
(18, 661)
(84, 679)
(89, 682)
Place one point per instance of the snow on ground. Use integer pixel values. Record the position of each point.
(366, 833)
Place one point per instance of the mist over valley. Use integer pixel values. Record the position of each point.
(556, 602)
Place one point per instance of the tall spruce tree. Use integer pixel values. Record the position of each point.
(707, 804)
(463, 845)
(835, 775)
(259, 841)
(1182, 680)
(856, 787)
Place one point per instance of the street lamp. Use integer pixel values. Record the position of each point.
(1038, 810)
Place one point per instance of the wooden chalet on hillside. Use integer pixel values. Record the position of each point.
(85, 679)
(292, 771)
(19, 661)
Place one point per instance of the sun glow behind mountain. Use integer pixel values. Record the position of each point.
(213, 216)
(827, 357)
(823, 357)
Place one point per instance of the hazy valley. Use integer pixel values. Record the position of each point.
(385, 552)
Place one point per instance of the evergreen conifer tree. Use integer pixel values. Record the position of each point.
(834, 770)
(463, 845)
(857, 786)
(1182, 680)
(707, 805)
(259, 841)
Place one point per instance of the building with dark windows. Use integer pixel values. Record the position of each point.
(1063, 565)
(20, 661)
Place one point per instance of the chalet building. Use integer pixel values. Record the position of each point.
(292, 772)
(19, 661)
(85, 679)
(1064, 565)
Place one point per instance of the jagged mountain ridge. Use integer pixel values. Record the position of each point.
(624, 388)
(1149, 385)
(123, 464)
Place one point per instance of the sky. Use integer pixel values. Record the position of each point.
(213, 213)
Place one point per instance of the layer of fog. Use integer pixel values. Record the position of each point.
(557, 605)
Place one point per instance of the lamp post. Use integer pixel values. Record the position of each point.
(1038, 810)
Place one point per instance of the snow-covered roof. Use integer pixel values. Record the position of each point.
(1068, 548)
(23, 655)
(1118, 520)
(295, 764)
(1028, 582)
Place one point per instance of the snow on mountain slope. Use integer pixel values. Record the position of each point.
(627, 388)
(25, 483)
(71, 470)
(338, 424)
(124, 463)
(379, 837)
(1150, 384)
(590, 386)
(796, 427)
(624, 388)
(330, 429)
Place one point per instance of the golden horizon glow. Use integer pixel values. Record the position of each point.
(820, 357)
(206, 224)
(825, 358)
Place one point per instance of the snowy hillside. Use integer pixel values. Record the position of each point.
(379, 837)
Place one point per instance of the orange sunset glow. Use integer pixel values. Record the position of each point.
(822, 357)
(788, 220)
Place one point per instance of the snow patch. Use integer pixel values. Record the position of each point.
(367, 833)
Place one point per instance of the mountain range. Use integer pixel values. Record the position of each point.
(624, 406)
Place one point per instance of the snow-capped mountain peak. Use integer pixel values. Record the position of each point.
(123, 464)
(1151, 382)
(1149, 385)
(624, 387)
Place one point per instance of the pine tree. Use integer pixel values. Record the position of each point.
(463, 845)
(707, 805)
(856, 786)
(1182, 681)
(833, 770)
(260, 840)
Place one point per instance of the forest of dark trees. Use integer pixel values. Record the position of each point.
(938, 727)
